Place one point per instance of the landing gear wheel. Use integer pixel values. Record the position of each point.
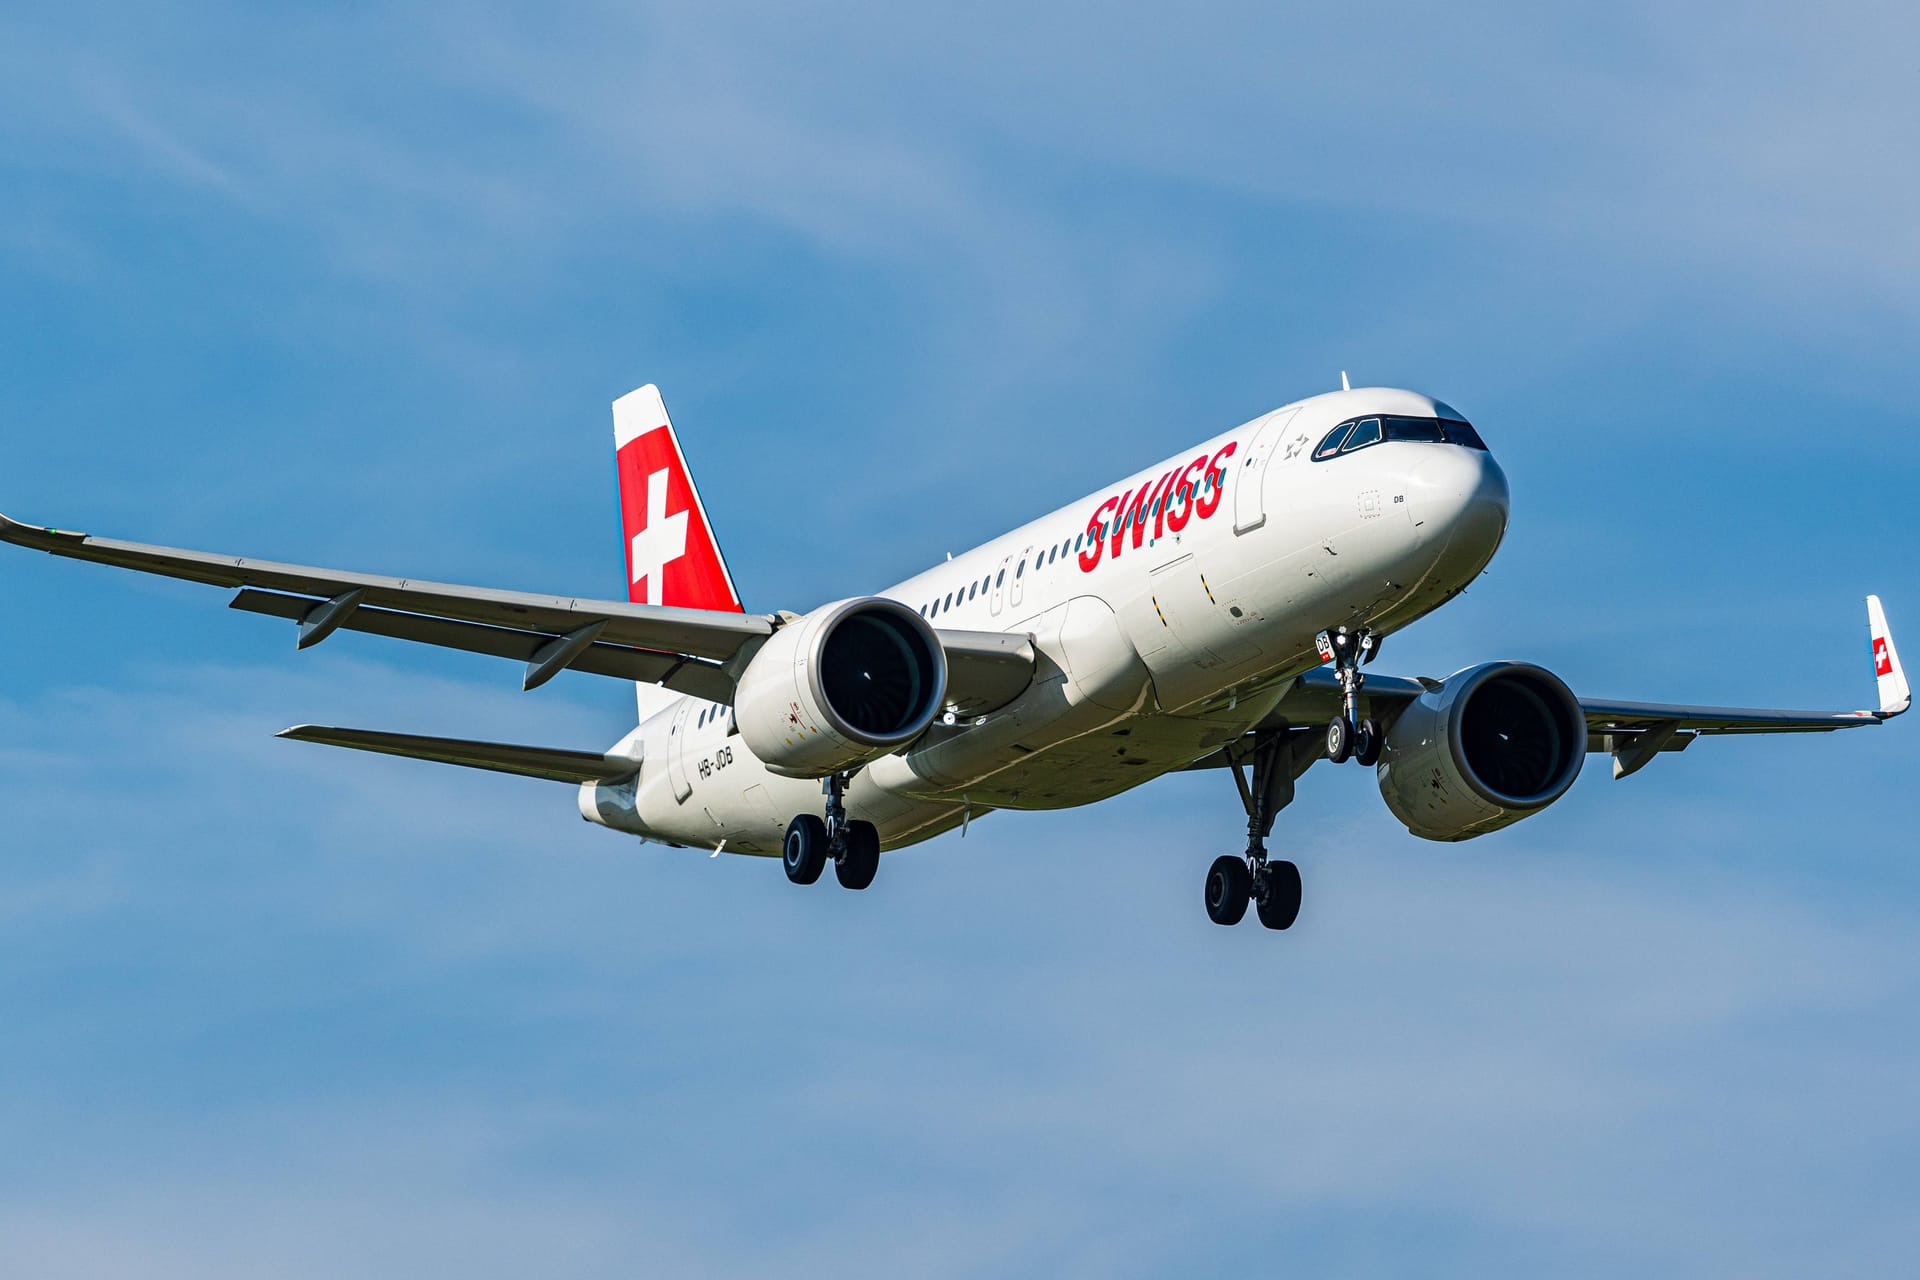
(1279, 905)
(856, 867)
(1228, 886)
(1340, 738)
(1367, 743)
(805, 850)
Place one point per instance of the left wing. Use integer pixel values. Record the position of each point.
(680, 648)
(693, 651)
(1632, 732)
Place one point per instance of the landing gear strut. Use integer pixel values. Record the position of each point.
(1348, 736)
(854, 846)
(1272, 887)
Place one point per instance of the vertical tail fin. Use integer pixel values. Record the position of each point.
(672, 555)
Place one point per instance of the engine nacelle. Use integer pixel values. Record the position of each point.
(845, 685)
(1496, 744)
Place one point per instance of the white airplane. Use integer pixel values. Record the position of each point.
(1214, 611)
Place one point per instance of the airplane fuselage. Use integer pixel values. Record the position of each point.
(1169, 610)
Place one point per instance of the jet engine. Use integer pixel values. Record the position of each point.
(845, 685)
(1496, 743)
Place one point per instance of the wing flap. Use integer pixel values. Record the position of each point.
(550, 763)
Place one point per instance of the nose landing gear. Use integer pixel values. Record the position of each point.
(1348, 736)
(1273, 887)
(854, 846)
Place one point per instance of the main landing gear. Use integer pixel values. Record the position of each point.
(1272, 887)
(853, 846)
(1348, 736)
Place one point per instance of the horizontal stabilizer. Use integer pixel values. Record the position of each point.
(530, 762)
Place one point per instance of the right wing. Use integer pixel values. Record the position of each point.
(692, 651)
(1633, 733)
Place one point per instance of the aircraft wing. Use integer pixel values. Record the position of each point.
(1632, 732)
(500, 757)
(691, 651)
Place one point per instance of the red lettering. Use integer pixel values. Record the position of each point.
(1184, 495)
(1095, 543)
(1161, 497)
(1217, 482)
(1119, 530)
(1134, 515)
(1170, 501)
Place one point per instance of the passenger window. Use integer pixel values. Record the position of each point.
(1020, 570)
(1331, 445)
(1001, 580)
(1365, 432)
(972, 590)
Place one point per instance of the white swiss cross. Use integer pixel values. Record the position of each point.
(663, 541)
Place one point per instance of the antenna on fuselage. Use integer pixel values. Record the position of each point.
(1344, 384)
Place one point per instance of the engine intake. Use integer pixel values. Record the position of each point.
(845, 685)
(1496, 744)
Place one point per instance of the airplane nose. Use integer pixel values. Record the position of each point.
(1458, 497)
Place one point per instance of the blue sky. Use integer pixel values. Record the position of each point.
(354, 286)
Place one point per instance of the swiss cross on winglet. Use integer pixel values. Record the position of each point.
(672, 556)
(1895, 696)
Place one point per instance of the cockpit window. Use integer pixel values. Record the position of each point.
(1331, 445)
(1419, 430)
(1459, 431)
(1365, 432)
(1358, 433)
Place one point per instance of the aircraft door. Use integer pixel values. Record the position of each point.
(676, 751)
(1001, 577)
(1016, 584)
(1249, 485)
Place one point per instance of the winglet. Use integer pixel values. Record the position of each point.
(1895, 695)
(33, 535)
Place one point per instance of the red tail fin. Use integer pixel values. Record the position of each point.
(672, 556)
